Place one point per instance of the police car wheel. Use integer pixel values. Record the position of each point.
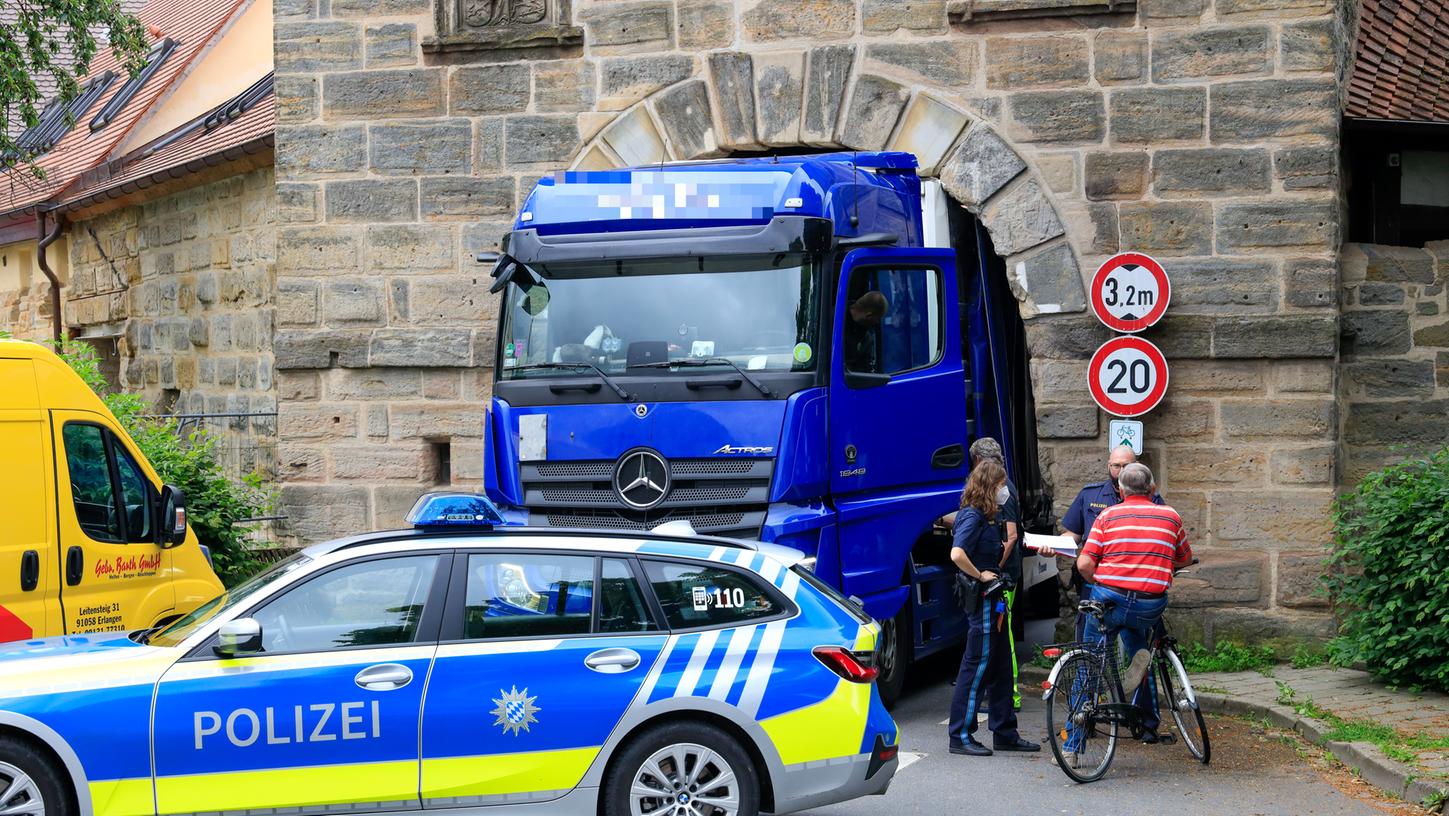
(682, 769)
(31, 784)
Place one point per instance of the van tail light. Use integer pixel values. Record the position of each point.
(852, 666)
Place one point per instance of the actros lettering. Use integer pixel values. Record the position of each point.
(319, 722)
(749, 450)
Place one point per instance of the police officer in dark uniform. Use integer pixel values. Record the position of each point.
(1089, 503)
(985, 675)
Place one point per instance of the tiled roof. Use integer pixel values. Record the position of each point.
(251, 132)
(1401, 62)
(193, 24)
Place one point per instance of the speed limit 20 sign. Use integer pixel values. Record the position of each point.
(1130, 292)
(1127, 376)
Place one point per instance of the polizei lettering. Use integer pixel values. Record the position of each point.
(319, 722)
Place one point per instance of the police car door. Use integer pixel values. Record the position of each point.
(325, 715)
(542, 653)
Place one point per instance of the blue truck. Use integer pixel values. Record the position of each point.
(795, 349)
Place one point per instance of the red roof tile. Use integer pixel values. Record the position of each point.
(1399, 69)
(193, 24)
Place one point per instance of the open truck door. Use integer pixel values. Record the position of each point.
(897, 425)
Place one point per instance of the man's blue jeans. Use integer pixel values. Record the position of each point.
(1134, 618)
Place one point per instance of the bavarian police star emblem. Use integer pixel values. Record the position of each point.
(515, 710)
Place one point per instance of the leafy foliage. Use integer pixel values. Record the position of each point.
(1226, 657)
(55, 39)
(1389, 577)
(214, 503)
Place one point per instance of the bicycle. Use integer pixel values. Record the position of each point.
(1086, 718)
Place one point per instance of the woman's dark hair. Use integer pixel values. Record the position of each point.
(986, 478)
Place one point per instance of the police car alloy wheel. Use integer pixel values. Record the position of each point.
(30, 785)
(683, 769)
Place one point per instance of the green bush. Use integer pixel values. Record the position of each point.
(214, 503)
(1389, 573)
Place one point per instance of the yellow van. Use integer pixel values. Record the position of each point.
(90, 540)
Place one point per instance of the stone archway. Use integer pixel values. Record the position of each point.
(818, 98)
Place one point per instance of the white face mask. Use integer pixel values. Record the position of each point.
(1002, 496)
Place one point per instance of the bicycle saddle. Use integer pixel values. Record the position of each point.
(1096, 608)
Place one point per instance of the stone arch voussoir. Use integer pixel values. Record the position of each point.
(822, 98)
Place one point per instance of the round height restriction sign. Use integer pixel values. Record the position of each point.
(1128, 376)
(1130, 292)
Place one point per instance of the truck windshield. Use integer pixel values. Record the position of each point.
(758, 312)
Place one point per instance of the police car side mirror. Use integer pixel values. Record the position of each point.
(170, 517)
(238, 638)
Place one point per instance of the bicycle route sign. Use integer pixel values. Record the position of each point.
(1127, 376)
(1130, 292)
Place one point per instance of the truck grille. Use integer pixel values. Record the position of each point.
(716, 496)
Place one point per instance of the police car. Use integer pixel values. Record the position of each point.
(457, 666)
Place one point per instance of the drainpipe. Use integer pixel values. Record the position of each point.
(45, 241)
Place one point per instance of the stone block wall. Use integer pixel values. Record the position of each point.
(185, 282)
(1394, 387)
(1204, 132)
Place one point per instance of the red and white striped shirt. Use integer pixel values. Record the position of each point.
(1135, 544)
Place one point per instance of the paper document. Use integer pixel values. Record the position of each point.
(1063, 545)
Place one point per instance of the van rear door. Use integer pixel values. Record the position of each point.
(29, 561)
(115, 576)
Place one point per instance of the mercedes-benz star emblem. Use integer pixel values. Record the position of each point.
(641, 478)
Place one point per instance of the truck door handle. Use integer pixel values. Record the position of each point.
(75, 563)
(384, 677)
(612, 661)
(949, 458)
(29, 570)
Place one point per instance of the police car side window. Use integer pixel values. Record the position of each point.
(622, 607)
(695, 595)
(370, 603)
(513, 595)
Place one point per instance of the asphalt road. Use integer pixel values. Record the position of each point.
(1251, 773)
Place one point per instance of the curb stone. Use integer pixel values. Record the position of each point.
(1386, 774)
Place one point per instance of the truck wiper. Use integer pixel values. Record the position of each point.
(684, 362)
(623, 395)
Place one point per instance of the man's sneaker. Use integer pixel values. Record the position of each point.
(1136, 670)
(1019, 745)
(969, 748)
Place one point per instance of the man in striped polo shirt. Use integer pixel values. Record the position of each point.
(1129, 558)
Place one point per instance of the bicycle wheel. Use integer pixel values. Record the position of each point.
(1083, 745)
(1176, 692)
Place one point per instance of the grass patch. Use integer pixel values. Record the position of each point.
(1304, 657)
(1394, 744)
(1226, 657)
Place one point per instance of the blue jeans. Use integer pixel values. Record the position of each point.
(1133, 618)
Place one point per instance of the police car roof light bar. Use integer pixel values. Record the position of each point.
(454, 510)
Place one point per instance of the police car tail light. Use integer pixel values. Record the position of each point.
(847, 664)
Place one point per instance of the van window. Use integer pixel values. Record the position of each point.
(89, 452)
(134, 495)
(90, 483)
(892, 320)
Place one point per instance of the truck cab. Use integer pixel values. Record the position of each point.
(93, 541)
(787, 349)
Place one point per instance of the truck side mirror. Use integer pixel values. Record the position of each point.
(171, 517)
(238, 638)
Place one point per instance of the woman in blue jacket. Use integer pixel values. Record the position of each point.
(986, 664)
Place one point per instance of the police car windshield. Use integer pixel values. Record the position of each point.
(759, 312)
(181, 629)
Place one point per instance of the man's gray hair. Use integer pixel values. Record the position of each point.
(987, 448)
(1136, 480)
